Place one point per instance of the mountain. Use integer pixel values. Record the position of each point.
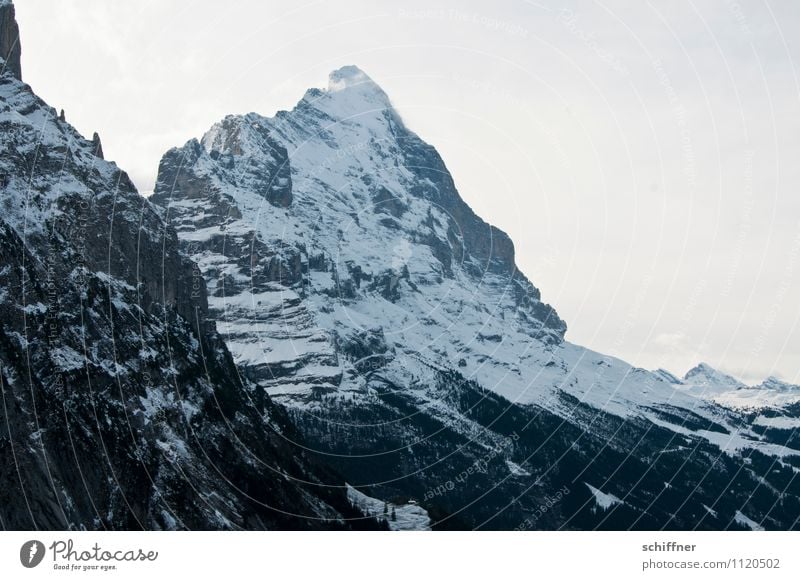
(707, 382)
(771, 394)
(121, 405)
(354, 286)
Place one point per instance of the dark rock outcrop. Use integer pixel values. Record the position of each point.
(10, 49)
(97, 146)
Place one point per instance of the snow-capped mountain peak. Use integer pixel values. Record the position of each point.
(348, 77)
(351, 98)
(367, 224)
(705, 378)
(773, 383)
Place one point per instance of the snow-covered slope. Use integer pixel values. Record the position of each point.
(771, 393)
(353, 284)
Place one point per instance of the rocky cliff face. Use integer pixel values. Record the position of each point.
(353, 284)
(121, 405)
(10, 48)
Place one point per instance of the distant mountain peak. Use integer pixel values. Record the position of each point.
(706, 371)
(705, 380)
(776, 384)
(701, 368)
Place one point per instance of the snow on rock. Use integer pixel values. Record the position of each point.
(668, 376)
(704, 380)
(742, 519)
(515, 469)
(605, 501)
(770, 394)
(404, 517)
(780, 422)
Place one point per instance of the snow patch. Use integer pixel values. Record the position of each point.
(742, 519)
(711, 512)
(515, 469)
(778, 422)
(406, 517)
(67, 359)
(605, 501)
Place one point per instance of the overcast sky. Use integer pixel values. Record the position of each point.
(644, 157)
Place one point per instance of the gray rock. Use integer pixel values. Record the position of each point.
(97, 146)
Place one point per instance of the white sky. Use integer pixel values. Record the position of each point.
(644, 157)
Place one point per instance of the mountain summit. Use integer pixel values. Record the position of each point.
(350, 76)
